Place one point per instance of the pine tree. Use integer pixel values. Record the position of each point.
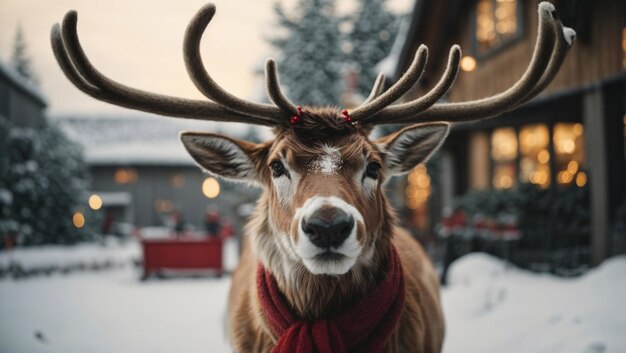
(20, 59)
(42, 183)
(309, 56)
(371, 38)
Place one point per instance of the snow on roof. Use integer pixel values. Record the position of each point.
(22, 83)
(140, 139)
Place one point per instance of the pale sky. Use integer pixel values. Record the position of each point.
(139, 43)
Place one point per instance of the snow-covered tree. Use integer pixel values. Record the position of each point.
(20, 59)
(309, 55)
(42, 184)
(371, 38)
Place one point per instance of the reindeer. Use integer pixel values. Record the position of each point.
(324, 268)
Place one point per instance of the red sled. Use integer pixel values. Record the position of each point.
(182, 255)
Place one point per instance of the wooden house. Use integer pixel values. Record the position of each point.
(572, 135)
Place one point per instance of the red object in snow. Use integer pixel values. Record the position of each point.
(182, 254)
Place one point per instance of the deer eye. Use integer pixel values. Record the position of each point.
(278, 169)
(371, 171)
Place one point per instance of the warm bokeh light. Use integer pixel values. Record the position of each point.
(125, 176)
(177, 181)
(495, 24)
(418, 187)
(78, 219)
(95, 202)
(503, 144)
(468, 63)
(163, 206)
(569, 153)
(543, 157)
(572, 167)
(210, 187)
(581, 179)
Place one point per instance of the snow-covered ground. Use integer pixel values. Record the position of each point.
(492, 308)
(113, 252)
(488, 307)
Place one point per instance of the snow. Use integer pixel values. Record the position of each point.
(6, 197)
(139, 139)
(492, 308)
(546, 7)
(328, 163)
(489, 307)
(569, 34)
(24, 83)
(113, 312)
(58, 256)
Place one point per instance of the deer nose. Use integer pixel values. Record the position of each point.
(328, 227)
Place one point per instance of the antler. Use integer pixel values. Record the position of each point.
(208, 87)
(410, 77)
(552, 44)
(377, 88)
(79, 70)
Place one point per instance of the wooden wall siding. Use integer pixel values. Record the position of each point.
(154, 183)
(587, 62)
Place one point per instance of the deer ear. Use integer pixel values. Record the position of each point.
(222, 156)
(412, 145)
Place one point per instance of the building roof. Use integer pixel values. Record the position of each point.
(22, 83)
(137, 140)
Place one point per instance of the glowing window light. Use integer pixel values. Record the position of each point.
(95, 202)
(210, 187)
(543, 157)
(504, 144)
(125, 176)
(496, 22)
(78, 219)
(564, 177)
(569, 157)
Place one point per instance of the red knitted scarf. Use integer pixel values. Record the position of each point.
(364, 327)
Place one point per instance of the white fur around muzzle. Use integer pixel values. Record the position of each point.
(307, 251)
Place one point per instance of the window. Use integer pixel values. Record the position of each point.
(534, 155)
(569, 154)
(504, 154)
(497, 23)
(125, 176)
(531, 155)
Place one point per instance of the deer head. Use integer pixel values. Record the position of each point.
(323, 210)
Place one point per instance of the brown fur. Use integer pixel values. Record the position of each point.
(318, 296)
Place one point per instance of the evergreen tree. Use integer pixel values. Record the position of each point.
(20, 59)
(42, 184)
(371, 38)
(310, 57)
